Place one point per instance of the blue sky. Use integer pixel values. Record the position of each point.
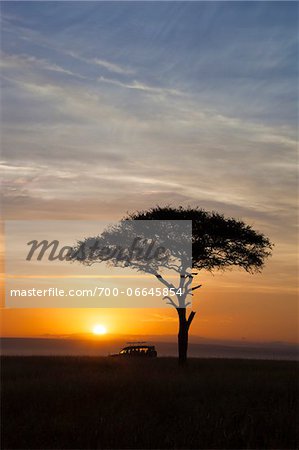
(236, 57)
(112, 107)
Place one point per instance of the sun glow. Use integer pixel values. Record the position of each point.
(99, 329)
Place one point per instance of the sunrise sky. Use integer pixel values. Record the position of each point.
(113, 107)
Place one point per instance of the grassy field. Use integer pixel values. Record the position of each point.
(90, 403)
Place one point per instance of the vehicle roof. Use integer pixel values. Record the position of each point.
(138, 346)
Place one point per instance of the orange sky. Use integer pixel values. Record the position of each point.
(224, 311)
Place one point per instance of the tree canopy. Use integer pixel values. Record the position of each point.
(217, 242)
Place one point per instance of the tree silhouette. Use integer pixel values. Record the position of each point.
(217, 243)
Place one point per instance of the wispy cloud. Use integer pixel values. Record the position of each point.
(141, 87)
(110, 66)
(16, 61)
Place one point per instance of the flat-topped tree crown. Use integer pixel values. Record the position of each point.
(217, 242)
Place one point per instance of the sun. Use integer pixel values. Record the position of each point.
(99, 329)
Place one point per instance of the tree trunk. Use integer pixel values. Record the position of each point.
(184, 325)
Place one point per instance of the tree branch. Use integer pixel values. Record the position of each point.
(163, 281)
(190, 318)
(188, 282)
(170, 301)
(196, 287)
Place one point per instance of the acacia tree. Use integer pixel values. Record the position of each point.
(217, 243)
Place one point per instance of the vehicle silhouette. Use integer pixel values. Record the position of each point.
(139, 350)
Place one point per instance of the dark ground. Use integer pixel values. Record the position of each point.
(89, 403)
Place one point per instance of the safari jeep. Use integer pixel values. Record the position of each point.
(140, 350)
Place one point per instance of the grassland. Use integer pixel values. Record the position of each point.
(105, 403)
